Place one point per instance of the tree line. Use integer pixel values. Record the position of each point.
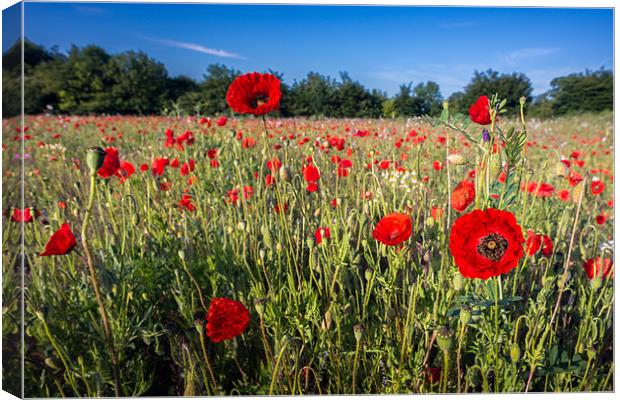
(88, 80)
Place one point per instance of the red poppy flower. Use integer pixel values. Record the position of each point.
(541, 189)
(222, 121)
(274, 164)
(125, 170)
(486, 243)
(60, 243)
(393, 229)
(158, 167)
(602, 267)
(144, 167)
(186, 203)
(254, 93)
(21, 215)
(311, 173)
(600, 219)
(433, 374)
(111, 163)
(547, 247)
(312, 187)
(479, 111)
(226, 319)
(437, 213)
(564, 195)
(533, 243)
(463, 195)
(322, 233)
(437, 166)
(597, 187)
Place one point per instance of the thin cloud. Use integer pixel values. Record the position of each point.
(90, 10)
(196, 47)
(456, 25)
(515, 56)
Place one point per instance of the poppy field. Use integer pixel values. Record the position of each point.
(250, 254)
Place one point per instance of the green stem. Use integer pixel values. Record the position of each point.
(95, 283)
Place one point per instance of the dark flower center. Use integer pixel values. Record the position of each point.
(492, 246)
(259, 100)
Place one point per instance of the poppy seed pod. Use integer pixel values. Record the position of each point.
(94, 158)
(444, 338)
(465, 315)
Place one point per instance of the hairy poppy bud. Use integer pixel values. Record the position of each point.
(591, 353)
(561, 170)
(181, 254)
(310, 242)
(457, 281)
(52, 363)
(94, 158)
(444, 338)
(495, 167)
(326, 322)
(596, 283)
(259, 306)
(267, 236)
(285, 173)
(241, 226)
(515, 353)
(522, 100)
(465, 315)
(457, 159)
(368, 273)
(358, 331)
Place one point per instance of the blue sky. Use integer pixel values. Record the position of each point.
(379, 46)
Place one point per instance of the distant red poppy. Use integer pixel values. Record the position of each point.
(158, 167)
(60, 243)
(463, 195)
(274, 164)
(312, 187)
(226, 319)
(601, 219)
(254, 93)
(393, 229)
(222, 121)
(533, 243)
(437, 166)
(21, 215)
(186, 203)
(111, 163)
(564, 195)
(125, 170)
(311, 173)
(597, 187)
(486, 243)
(322, 233)
(479, 111)
(144, 167)
(541, 189)
(602, 267)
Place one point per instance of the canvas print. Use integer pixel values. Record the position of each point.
(219, 199)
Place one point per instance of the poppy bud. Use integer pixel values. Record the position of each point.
(457, 281)
(267, 236)
(241, 225)
(591, 353)
(94, 158)
(465, 315)
(358, 331)
(317, 212)
(522, 100)
(596, 283)
(181, 254)
(515, 353)
(430, 222)
(261, 254)
(310, 242)
(326, 323)
(285, 173)
(445, 105)
(494, 167)
(368, 273)
(51, 362)
(457, 159)
(444, 338)
(259, 306)
(279, 247)
(561, 170)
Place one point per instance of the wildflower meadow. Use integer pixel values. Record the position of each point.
(251, 254)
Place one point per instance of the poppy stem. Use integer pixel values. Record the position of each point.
(95, 283)
(204, 354)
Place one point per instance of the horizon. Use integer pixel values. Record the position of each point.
(453, 46)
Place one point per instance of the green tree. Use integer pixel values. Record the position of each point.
(214, 87)
(139, 83)
(509, 86)
(315, 95)
(583, 92)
